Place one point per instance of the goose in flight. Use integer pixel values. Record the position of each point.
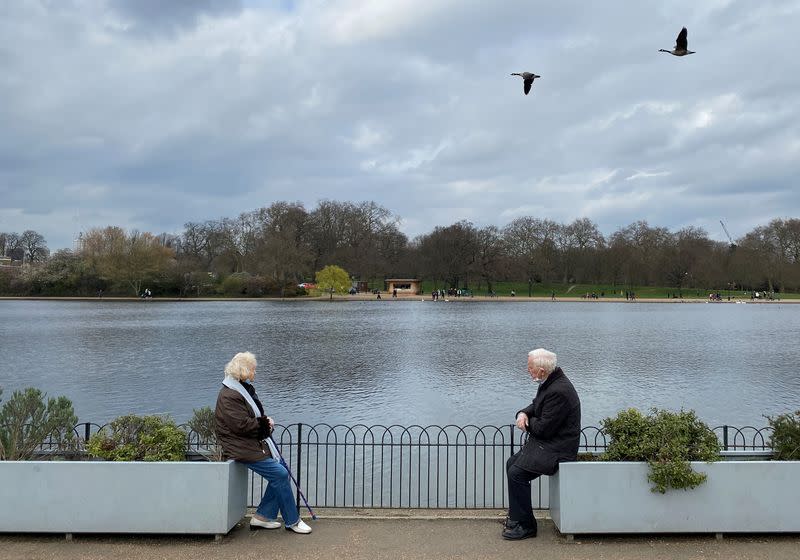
(681, 45)
(527, 79)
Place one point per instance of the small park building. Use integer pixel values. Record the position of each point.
(403, 285)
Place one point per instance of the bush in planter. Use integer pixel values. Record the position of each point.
(667, 441)
(139, 438)
(202, 424)
(26, 422)
(785, 439)
(589, 457)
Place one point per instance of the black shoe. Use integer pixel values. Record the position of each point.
(516, 531)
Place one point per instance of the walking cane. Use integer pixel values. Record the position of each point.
(277, 454)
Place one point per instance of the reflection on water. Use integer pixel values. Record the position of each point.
(404, 362)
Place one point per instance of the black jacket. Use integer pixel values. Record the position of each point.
(554, 425)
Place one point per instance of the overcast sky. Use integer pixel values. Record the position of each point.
(148, 114)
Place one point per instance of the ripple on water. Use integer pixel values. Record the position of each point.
(404, 362)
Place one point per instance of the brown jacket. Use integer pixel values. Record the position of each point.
(238, 430)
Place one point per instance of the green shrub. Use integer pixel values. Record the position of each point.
(202, 424)
(667, 441)
(255, 286)
(293, 290)
(589, 457)
(785, 439)
(26, 422)
(139, 438)
(271, 287)
(235, 285)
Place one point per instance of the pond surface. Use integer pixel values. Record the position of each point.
(404, 362)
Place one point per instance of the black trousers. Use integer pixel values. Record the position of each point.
(520, 508)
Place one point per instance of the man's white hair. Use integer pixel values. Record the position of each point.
(240, 366)
(544, 359)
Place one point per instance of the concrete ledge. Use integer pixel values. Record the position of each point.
(615, 497)
(121, 497)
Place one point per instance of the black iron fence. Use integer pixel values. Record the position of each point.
(431, 466)
(413, 466)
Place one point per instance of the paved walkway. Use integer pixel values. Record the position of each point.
(413, 537)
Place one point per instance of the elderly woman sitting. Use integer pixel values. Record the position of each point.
(241, 427)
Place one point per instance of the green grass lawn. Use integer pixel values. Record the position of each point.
(607, 290)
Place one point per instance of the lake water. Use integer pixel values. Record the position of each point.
(404, 362)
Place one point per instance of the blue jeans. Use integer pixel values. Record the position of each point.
(279, 491)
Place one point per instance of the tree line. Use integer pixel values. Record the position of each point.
(270, 250)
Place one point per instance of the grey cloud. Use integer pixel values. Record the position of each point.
(151, 17)
(266, 103)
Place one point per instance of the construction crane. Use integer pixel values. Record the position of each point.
(733, 245)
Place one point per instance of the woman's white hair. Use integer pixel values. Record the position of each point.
(240, 366)
(544, 359)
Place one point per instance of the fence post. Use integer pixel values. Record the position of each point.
(511, 430)
(725, 437)
(86, 429)
(299, 456)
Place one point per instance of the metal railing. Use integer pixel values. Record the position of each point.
(431, 466)
(396, 466)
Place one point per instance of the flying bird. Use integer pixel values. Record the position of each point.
(681, 45)
(527, 79)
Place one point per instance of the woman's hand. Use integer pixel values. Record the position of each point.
(265, 425)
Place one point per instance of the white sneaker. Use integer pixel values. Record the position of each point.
(299, 527)
(256, 523)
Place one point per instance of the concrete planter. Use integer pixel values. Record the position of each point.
(121, 497)
(737, 497)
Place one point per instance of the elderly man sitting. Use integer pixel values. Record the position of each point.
(553, 422)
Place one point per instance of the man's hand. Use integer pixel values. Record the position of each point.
(271, 423)
(522, 421)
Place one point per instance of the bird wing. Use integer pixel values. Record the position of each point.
(528, 84)
(681, 42)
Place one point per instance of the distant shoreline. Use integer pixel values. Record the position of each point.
(389, 298)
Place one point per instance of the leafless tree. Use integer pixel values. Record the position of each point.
(449, 253)
(283, 253)
(490, 255)
(13, 246)
(362, 238)
(34, 246)
(532, 245)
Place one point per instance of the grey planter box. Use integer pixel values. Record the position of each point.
(737, 497)
(121, 497)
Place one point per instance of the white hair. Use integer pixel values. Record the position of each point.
(240, 366)
(544, 359)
